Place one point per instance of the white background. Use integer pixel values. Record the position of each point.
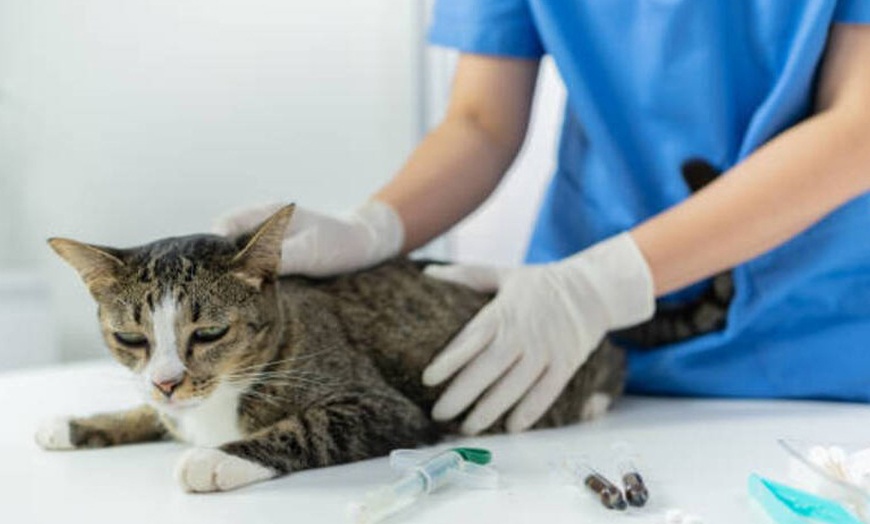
(122, 121)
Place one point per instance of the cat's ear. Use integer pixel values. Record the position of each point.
(98, 266)
(260, 257)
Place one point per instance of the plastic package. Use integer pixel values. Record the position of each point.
(787, 505)
(837, 471)
(423, 473)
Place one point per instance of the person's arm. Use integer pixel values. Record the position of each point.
(526, 344)
(462, 160)
(780, 190)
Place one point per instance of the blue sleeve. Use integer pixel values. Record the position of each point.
(852, 12)
(487, 27)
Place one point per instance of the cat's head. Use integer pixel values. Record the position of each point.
(187, 313)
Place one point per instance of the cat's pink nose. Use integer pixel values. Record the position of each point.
(167, 386)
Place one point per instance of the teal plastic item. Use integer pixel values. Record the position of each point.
(476, 455)
(788, 505)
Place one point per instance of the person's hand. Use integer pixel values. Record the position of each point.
(525, 345)
(319, 245)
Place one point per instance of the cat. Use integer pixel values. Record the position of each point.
(268, 375)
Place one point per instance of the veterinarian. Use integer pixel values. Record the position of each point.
(775, 94)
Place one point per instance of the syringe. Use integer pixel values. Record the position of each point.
(422, 476)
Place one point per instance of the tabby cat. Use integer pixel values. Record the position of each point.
(269, 375)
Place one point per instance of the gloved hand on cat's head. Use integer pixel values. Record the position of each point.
(545, 320)
(319, 245)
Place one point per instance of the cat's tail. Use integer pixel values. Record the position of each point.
(706, 313)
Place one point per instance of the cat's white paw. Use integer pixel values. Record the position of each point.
(596, 406)
(203, 470)
(54, 434)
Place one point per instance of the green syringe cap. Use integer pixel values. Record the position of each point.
(475, 455)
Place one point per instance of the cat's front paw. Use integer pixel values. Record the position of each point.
(54, 434)
(596, 406)
(203, 470)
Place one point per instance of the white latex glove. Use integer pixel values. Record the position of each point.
(319, 245)
(525, 345)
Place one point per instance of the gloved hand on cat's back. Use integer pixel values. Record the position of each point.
(319, 245)
(521, 350)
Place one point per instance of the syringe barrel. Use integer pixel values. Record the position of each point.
(411, 486)
(439, 470)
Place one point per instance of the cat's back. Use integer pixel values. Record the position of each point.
(393, 312)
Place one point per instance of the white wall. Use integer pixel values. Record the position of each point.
(26, 323)
(126, 120)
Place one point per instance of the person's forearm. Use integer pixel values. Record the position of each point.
(777, 192)
(463, 159)
(450, 173)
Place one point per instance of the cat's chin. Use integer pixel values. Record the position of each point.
(175, 408)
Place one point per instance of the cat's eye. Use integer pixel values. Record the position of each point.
(209, 334)
(131, 339)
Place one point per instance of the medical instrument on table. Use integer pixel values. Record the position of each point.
(787, 505)
(610, 495)
(636, 492)
(422, 474)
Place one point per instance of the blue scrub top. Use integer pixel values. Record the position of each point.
(652, 83)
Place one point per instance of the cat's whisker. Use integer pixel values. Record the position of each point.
(294, 382)
(284, 379)
(270, 399)
(274, 373)
(291, 359)
(287, 378)
(261, 376)
(270, 374)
